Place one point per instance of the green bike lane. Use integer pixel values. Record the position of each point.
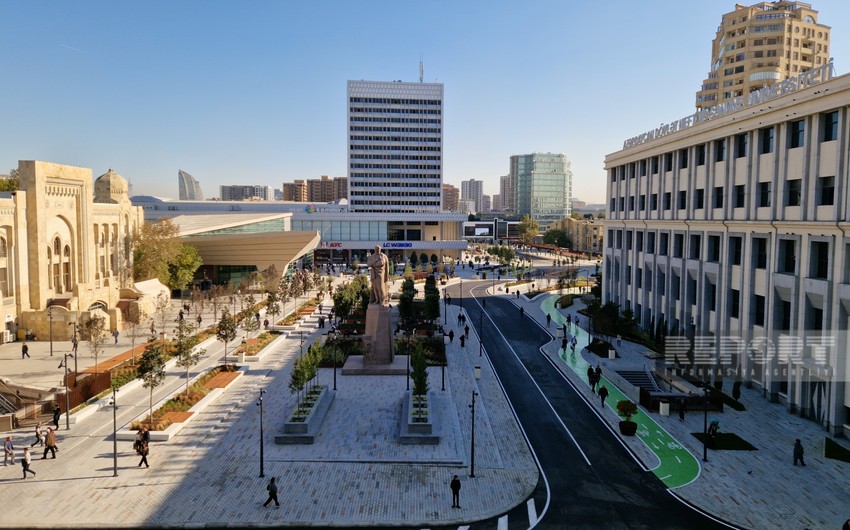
(677, 467)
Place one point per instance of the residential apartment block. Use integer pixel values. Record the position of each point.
(758, 45)
(395, 147)
(295, 191)
(451, 198)
(473, 190)
(246, 193)
(585, 234)
(734, 230)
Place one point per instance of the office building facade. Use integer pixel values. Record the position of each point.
(395, 146)
(758, 45)
(189, 189)
(735, 232)
(542, 183)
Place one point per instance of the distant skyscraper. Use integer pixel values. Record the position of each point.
(326, 189)
(472, 190)
(451, 198)
(243, 193)
(485, 204)
(507, 194)
(497, 202)
(189, 188)
(395, 146)
(758, 45)
(295, 191)
(543, 183)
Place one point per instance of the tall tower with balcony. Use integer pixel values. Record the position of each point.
(758, 45)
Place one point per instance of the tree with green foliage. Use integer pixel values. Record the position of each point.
(414, 259)
(273, 305)
(158, 252)
(152, 368)
(226, 330)
(10, 182)
(419, 369)
(557, 237)
(94, 331)
(185, 341)
(528, 229)
(182, 269)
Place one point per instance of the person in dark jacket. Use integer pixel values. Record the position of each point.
(798, 453)
(455, 487)
(603, 393)
(272, 489)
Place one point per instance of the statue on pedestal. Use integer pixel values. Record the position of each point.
(379, 276)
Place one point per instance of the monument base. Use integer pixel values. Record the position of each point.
(378, 338)
(354, 365)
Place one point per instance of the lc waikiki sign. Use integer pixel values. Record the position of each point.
(812, 77)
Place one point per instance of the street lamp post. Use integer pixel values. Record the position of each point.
(301, 345)
(50, 326)
(461, 294)
(336, 351)
(64, 365)
(705, 425)
(114, 431)
(445, 308)
(472, 446)
(262, 458)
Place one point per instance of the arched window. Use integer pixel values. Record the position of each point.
(50, 283)
(57, 246)
(3, 251)
(66, 267)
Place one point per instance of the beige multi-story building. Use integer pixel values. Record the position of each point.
(735, 231)
(451, 198)
(585, 234)
(295, 191)
(507, 192)
(65, 250)
(758, 45)
(326, 189)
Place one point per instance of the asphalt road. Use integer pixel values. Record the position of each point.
(588, 478)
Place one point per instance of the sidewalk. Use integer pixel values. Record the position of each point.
(754, 489)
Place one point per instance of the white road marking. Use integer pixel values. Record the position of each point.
(532, 512)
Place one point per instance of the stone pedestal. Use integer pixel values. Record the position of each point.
(378, 338)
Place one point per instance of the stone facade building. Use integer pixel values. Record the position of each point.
(65, 245)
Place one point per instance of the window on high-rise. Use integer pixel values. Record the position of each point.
(699, 199)
(758, 310)
(678, 245)
(766, 140)
(741, 145)
(819, 260)
(793, 192)
(787, 256)
(700, 154)
(668, 200)
(683, 200)
(740, 196)
(668, 162)
(734, 303)
(695, 249)
(735, 249)
(720, 150)
(718, 197)
(760, 252)
(683, 158)
(642, 203)
(826, 191)
(796, 134)
(654, 165)
(714, 248)
(829, 126)
(653, 202)
(663, 243)
(763, 198)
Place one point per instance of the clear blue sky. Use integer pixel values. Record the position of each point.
(253, 92)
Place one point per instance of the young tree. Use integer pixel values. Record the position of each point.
(184, 347)
(217, 292)
(94, 331)
(10, 182)
(161, 306)
(226, 330)
(419, 368)
(152, 368)
(528, 229)
(273, 305)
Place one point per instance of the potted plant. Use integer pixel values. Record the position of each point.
(626, 409)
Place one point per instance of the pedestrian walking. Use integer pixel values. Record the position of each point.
(564, 344)
(180, 314)
(74, 344)
(115, 336)
(548, 319)
(8, 451)
(591, 375)
(462, 341)
(517, 293)
(713, 428)
(26, 461)
(619, 340)
(603, 393)
(39, 436)
(521, 312)
(320, 308)
(798, 453)
(846, 525)
(199, 319)
(50, 444)
(683, 408)
(153, 327)
(57, 413)
(455, 487)
(451, 335)
(272, 489)
(322, 322)
(143, 451)
(466, 331)
(459, 319)
(25, 351)
(266, 324)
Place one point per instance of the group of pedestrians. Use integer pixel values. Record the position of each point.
(594, 377)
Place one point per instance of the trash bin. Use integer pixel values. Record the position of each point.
(612, 354)
(664, 408)
(477, 372)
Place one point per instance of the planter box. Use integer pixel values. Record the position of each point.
(418, 433)
(174, 428)
(304, 432)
